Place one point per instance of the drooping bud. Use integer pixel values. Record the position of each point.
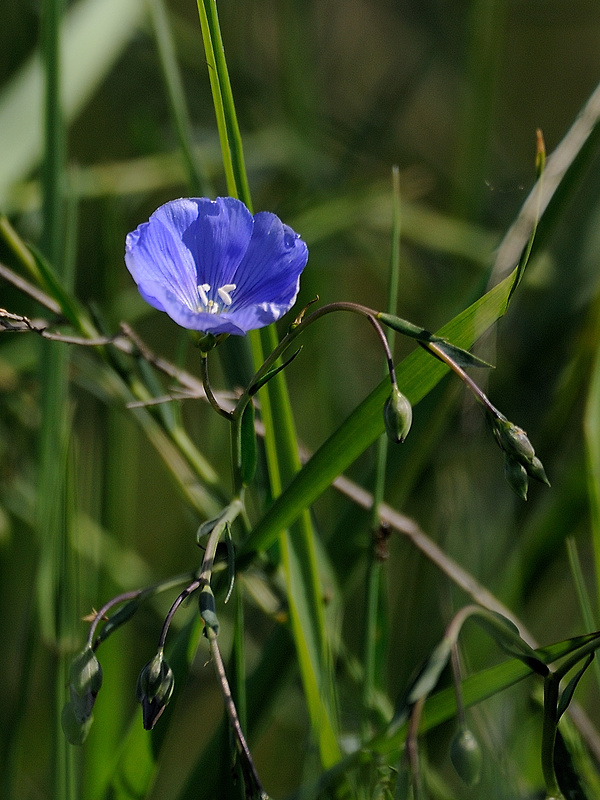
(154, 689)
(397, 416)
(75, 731)
(85, 681)
(519, 453)
(516, 477)
(466, 756)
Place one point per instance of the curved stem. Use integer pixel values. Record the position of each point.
(209, 393)
(295, 331)
(386, 347)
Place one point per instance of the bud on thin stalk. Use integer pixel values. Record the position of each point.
(154, 689)
(466, 757)
(397, 416)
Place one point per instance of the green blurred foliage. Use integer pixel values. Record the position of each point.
(330, 94)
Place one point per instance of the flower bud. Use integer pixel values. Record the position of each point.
(466, 756)
(154, 689)
(519, 452)
(516, 476)
(74, 730)
(397, 416)
(85, 680)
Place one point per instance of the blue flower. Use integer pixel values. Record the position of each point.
(213, 267)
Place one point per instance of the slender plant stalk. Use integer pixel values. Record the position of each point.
(297, 545)
(376, 612)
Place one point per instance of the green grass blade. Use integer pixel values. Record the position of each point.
(305, 595)
(54, 502)
(592, 444)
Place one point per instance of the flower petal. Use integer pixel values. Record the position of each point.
(218, 239)
(156, 256)
(268, 278)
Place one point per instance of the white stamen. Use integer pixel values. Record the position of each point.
(225, 293)
(203, 288)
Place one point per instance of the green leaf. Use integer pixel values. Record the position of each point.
(569, 690)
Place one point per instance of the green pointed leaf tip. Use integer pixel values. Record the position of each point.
(466, 757)
(154, 689)
(429, 675)
(397, 416)
(569, 691)
(122, 616)
(460, 356)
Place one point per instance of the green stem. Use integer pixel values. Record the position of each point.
(209, 393)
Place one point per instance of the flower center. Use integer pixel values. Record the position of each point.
(215, 306)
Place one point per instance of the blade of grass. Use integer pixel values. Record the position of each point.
(55, 582)
(592, 445)
(296, 544)
(585, 605)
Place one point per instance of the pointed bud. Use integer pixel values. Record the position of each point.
(516, 476)
(466, 757)
(397, 416)
(537, 471)
(85, 680)
(154, 689)
(519, 451)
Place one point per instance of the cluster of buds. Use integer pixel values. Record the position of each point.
(520, 460)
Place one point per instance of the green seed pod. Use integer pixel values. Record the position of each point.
(397, 416)
(154, 689)
(466, 756)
